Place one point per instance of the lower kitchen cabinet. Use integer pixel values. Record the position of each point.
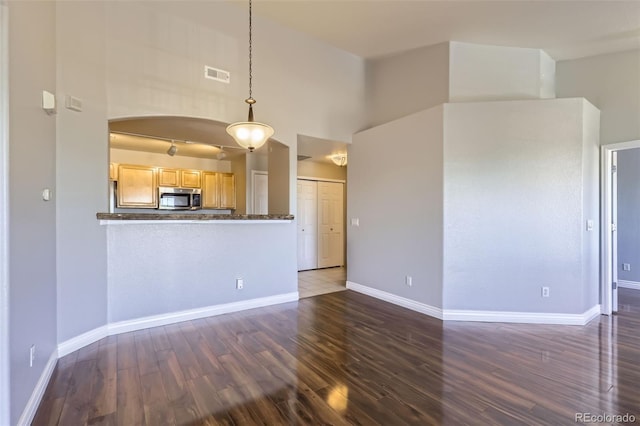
(137, 186)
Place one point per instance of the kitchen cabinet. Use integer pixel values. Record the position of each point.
(137, 186)
(190, 178)
(218, 190)
(210, 191)
(168, 177)
(179, 178)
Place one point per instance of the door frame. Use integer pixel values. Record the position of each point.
(4, 215)
(253, 187)
(606, 200)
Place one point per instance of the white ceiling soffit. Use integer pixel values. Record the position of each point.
(370, 28)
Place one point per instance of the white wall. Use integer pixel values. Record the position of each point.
(611, 83)
(32, 221)
(629, 213)
(484, 73)
(514, 193)
(126, 156)
(399, 204)
(405, 83)
(157, 51)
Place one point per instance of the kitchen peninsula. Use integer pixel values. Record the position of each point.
(169, 267)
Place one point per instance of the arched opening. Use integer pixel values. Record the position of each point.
(187, 152)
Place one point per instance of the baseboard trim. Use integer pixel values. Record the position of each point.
(629, 284)
(208, 311)
(31, 408)
(522, 317)
(423, 308)
(479, 316)
(96, 334)
(85, 339)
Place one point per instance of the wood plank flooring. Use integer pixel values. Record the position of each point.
(345, 358)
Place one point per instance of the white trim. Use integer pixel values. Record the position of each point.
(36, 396)
(201, 222)
(629, 284)
(5, 387)
(606, 267)
(478, 316)
(208, 311)
(423, 308)
(85, 339)
(319, 179)
(522, 317)
(96, 334)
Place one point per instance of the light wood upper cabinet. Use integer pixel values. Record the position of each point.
(210, 191)
(227, 182)
(137, 186)
(179, 178)
(168, 177)
(190, 178)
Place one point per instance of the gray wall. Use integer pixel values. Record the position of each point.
(611, 83)
(82, 174)
(405, 83)
(279, 176)
(239, 169)
(398, 200)
(158, 269)
(515, 208)
(308, 168)
(629, 213)
(32, 239)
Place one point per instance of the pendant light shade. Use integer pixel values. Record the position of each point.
(250, 134)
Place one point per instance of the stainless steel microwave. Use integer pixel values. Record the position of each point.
(179, 198)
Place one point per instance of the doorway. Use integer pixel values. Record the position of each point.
(320, 224)
(260, 192)
(609, 221)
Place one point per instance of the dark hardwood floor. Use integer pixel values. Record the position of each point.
(345, 358)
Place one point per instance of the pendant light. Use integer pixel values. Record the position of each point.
(339, 159)
(250, 134)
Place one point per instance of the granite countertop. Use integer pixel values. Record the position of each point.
(191, 217)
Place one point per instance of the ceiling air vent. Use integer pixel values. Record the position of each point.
(303, 157)
(216, 74)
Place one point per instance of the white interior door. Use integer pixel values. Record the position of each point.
(330, 224)
(260, 192)
(307, 220)
(614, 230)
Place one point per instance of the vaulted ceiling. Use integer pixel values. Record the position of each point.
(373, 28)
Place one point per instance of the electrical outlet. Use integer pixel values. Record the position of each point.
(545, 291)
(408, 280)
(239, 283)
(32, 355)
(626, 266)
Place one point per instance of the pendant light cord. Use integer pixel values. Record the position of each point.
(250, 51)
